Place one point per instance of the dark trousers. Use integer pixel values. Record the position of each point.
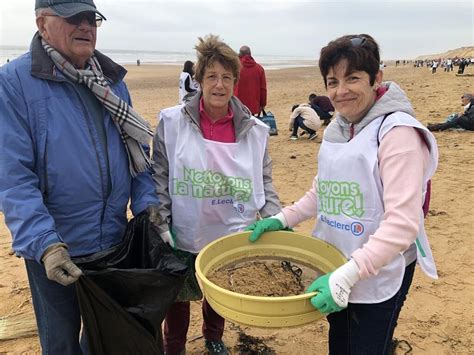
(321, 113)
(57, 313)
(459, 121)
(299, 122)
(365, 329)
(177, 323)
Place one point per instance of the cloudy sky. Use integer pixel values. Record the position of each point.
(403, 28)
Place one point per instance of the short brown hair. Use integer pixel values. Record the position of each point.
(360, 51)
(211, 49)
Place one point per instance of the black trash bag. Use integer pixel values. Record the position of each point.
(126, 291)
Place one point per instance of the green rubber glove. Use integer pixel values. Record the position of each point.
(262, 226)
(334, 288)
(323, 301)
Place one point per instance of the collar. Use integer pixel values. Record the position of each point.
(242, 117)
(204, 115)
(42, 66)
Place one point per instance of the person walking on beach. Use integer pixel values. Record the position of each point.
(73, 155)
(187, 84)
(213, 175)
(251, 88)
(304, 117)
(323, 107)
(361, 199)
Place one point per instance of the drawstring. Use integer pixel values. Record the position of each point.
(351, 132)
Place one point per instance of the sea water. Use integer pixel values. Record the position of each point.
(269, 62)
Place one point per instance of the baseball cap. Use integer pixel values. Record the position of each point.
(68, 8)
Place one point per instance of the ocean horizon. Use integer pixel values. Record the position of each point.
(129, 57)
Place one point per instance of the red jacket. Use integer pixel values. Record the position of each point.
(251, 88)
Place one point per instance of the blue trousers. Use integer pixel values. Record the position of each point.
(299, 122)
(367, 329)
(57, 313)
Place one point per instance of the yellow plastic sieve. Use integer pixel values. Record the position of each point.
(271, 312)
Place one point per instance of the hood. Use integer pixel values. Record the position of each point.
(394, 100)
(247, 61)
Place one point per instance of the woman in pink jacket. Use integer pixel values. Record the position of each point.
(362, 201)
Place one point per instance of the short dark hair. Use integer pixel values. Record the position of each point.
(360, 51)
(312, 96)
(188, 67)
(294, 107)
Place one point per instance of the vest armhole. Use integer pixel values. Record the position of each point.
(380, 127)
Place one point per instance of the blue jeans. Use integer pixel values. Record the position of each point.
(299, 122)
(57, 313)
(368, 328)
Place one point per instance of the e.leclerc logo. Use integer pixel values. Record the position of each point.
(357, 228)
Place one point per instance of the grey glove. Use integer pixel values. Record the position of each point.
(168, 237)
(59, 266)
(153, 215)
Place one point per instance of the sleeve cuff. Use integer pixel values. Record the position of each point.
(351, 271)
(281, 217)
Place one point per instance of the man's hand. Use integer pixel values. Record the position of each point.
(274, 223)
(169, 237)
(153, 215)
(334, 288)
(59, 266)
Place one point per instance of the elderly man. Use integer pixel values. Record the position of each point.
(463, 119)
(251, 88)
(74, 153)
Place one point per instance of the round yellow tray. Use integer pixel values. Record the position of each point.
(258, 311)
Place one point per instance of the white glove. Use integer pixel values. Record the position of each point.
(168, 238)
(342, 280)
(333, 289)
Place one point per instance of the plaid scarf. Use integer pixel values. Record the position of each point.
(133, 129)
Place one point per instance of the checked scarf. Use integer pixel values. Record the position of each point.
(133, 129)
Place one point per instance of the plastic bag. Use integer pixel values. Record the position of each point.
(190, 290)
(126, 291)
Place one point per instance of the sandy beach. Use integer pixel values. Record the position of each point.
(438, 315)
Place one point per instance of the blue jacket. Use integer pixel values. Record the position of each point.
(53, 170)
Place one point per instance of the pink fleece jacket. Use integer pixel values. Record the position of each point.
(403, 158)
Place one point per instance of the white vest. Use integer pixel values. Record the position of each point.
(216, 188)
(350, 204)
(182, 88)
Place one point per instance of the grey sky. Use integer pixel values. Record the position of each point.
(403, 29)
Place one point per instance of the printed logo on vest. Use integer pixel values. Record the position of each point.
(211, 184)
(340, 198)
(356, 228)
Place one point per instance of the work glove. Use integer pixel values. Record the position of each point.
(58, 265)
(153, 215)
(334, 288)
(169, 237)
(155, 219)
(274, 223)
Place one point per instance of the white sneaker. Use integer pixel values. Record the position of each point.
(293, 138)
